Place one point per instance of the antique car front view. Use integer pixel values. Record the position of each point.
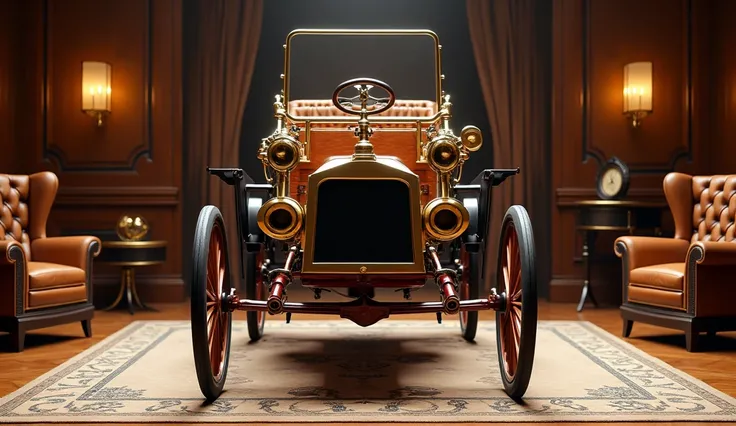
(363, 192)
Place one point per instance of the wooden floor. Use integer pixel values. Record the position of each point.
(47, 348)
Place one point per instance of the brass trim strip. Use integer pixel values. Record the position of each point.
(134, 244)
(133, 263)
(603, 228)
(617, 203)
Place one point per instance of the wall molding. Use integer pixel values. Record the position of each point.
(682, 152)
(567, 196)
(118, 196)
(54, 153)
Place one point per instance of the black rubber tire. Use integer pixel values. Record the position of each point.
(209, 223)
(472, 271)
(517, 220)
(256, 320)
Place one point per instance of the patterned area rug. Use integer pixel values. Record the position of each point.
(407, 371)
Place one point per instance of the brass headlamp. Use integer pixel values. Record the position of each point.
(282, 153)
(443, 154)
(281, 218)
(471, 138)
(445, 218)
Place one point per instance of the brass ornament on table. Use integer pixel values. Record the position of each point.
(132, 228)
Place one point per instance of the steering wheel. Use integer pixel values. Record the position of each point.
(361, 102)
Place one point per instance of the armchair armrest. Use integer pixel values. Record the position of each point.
(8, 255)
(647, 251)
(713, 253)
(74, 251)
(13, 277)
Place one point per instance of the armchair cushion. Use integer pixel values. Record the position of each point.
(656, 297)
(666, 276)
(57, 296)
(47, 276)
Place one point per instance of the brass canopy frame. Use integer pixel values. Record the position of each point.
(344, 167)
(364, 32)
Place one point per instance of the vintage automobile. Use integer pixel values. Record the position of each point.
(363, 192)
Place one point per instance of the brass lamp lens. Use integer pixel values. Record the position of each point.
(280, 219)
(471, 137)
(445, 220)
(282, 155)
(444, 155)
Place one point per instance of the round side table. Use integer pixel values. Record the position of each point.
(129, 255)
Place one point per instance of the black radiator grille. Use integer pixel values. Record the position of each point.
(363, 221)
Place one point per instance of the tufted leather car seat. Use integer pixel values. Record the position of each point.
(685, 282)
(325, 108)
(44, 280)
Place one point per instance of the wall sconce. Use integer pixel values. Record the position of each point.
(96, 90)
(637, 91)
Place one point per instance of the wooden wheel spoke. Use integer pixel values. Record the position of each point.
(517, 282)
(211, 296)
(512, 346)
(210, 285)
(212, 330)
(509, 261)
(220, 280)
(218, 260)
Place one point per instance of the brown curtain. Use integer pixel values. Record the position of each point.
(220, 67)
(513, 68)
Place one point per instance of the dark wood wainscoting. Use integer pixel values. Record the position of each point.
(691, 130)
(130, 165)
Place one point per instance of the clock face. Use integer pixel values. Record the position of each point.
(611, 182)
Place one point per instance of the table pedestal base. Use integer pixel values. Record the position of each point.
(129, 293)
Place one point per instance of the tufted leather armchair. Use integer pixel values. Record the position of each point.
(44, 281)
(685, 282)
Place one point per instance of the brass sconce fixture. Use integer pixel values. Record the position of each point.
(637, 91)
(96, 90)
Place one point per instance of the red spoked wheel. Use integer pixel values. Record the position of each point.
(255, 288)
(516, 325)
(469, 289)
(211, 324)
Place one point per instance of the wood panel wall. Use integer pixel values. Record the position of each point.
(692, 128)
(131, 165)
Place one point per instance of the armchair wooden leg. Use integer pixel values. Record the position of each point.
(87, 327)
(18, 339)
(691, 340)
(628, 324)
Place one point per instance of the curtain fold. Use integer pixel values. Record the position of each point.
(507, 37)
(220, 68)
